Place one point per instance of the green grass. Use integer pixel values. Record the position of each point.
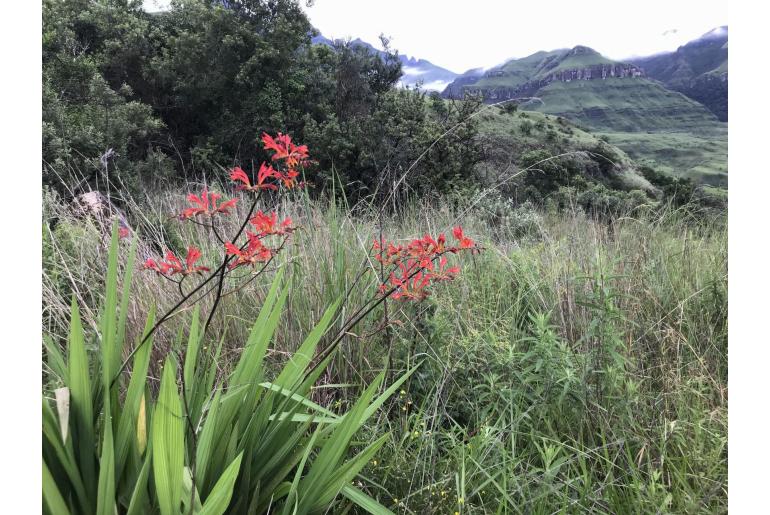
(572, 368)
(701, 156)
(623, 105)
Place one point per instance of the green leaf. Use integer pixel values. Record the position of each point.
(168, 443)
(105, 501)
(139, 497)
(51, 495)
(293, 372)
(250, 363)
(110, 354)
(81, 404)
(364, 501)
(209, 437)
(126, 436)
(191, 354)
(219, 498)
(55, 358)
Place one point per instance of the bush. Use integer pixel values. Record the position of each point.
(508, 220)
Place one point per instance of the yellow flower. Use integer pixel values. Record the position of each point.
(460, 500)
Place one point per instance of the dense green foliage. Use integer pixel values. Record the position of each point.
(575, 366)
(247, 443)
(180, 93)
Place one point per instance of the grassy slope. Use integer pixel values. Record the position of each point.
(506, 135)
(623, 105)
(700, 156)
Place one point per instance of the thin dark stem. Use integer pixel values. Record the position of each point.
(360, 315)
(223, 269)
(182, 301)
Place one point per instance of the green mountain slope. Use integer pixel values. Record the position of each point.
(621, 105)
(508, 137)
(651, 123)
(697, 69)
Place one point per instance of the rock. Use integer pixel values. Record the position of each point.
(95, 205)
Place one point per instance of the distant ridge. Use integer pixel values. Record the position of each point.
(697, 69)
(431, 76)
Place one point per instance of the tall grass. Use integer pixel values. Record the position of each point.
(577, 367)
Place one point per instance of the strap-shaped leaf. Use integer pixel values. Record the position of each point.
(364, 501)
(81, 403)
(168, 443)
(51, 495)
(105, 501)
(219, 498)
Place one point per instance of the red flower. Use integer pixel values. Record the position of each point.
(465, 242)
(285, 149)
(443, 273)
(173, 265)
(123, 232)
(392, 253)
(267, 225)
(206, 204)
(255, 252)
(265, 172)
(193, 255)
(289, 179)
(406, 287)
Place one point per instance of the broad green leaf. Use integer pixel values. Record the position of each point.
(299, 398)
(110, 353)
(105, 502)
(188, 496)
(64, 456)
(250, 362)
(128, 425)
(168, 443)
(51, 495)
(81, 404)
(293, 372)
(139, 498)
(219, 498)
(374, 406)
(364, 501)
(207, 441)
(191, 353)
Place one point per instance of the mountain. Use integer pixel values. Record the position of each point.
(588, 88)
(697, 69)
(432, 77)
(653, 124)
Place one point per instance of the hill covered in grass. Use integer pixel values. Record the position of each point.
(584, 86)
(651, 123)
(514, 136)
(698, 69)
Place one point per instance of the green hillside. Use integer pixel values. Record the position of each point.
(622, 105)
(510, 136)
(697, 69)
(700, 156)
(651, 123)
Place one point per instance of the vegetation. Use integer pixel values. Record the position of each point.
(429, 306)
(567, 366)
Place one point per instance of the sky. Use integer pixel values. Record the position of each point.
(459, 35)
